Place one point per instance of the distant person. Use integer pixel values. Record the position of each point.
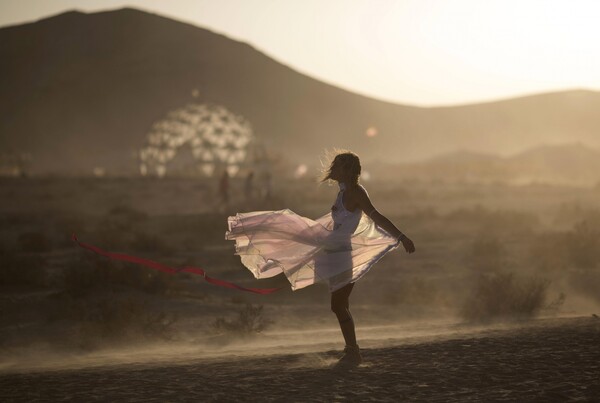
(338, 248)
(249, 186)
(224, 187)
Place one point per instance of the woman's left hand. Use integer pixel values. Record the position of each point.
(409, 246)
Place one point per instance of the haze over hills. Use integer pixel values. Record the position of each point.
(80, 91)
(566, 164)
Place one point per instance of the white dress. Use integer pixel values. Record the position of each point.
(337, 248)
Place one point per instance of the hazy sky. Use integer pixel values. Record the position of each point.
(423, 52)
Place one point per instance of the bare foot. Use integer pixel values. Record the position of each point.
(350, 359)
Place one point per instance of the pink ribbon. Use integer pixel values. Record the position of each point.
(167, 269)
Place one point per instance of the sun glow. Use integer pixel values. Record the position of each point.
(475, 50)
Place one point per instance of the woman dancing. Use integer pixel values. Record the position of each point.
(337, 249)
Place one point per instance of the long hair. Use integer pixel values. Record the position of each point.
(348, 161)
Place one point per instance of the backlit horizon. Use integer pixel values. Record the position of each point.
(423, 53)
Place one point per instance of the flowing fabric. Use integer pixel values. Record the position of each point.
(337, 248)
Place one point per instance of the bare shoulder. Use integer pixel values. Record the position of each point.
(360, 196)
(356, 190)
(361, 192)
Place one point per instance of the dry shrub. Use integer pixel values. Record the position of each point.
(67, 225)
(583, 245)
(499, 221)
(110, 319)
(15, 220)
(504, 296)
(237, 299)
(144, 242)
(118, 227)
(574, 254)
(250, 320)
(17, 269)
(579, 248)
(586, 282)
(123, 319)
(413, 291)
(569, 213)
(111, 234)
(486, 252)
(206, 228)
(547, 252)
(121, 228)
(92, 273)
(126, 213)
(34, 242)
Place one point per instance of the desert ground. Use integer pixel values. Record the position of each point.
(497, 303)
(552, 360)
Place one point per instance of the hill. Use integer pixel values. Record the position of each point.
(563, 164)
(80, 91)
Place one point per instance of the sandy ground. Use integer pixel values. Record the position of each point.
(556, 360)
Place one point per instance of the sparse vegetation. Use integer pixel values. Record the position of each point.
(34, 242)
(501, 222)
(414, 291)
(108, 319)
(145, 242)
(126, 213)
(21, 269)
(573, 255)
(583, 245)
(250, 320)
(505, 296)
(92, 273)
(487, 253)
(55, 291)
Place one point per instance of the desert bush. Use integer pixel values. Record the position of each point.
(145, 242)
(118, 227)
(237, 299)
(250, 320)
(498, 221)
(111, 234)
(206, 228)
(34, 242)
(21, 269)
(15, 220)
(569, 213)
(486, 252)
(586, 282)
(554, 306)
(413, 291)
(65, 226)
(578, 248)
(547, 252)
(121, 319)
(583, 245)
(84, 274)
(127, 213)
(112, 318)
(92, 273)
(503, 296)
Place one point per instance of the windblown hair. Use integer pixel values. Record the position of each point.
(349, 162)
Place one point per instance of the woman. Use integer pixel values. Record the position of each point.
(338, 248)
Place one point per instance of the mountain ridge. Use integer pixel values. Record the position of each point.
(557, 164)
(83, 90)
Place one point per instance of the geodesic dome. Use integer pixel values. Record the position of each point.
(216, 137)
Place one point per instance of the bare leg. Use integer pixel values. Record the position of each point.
(341, 307)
